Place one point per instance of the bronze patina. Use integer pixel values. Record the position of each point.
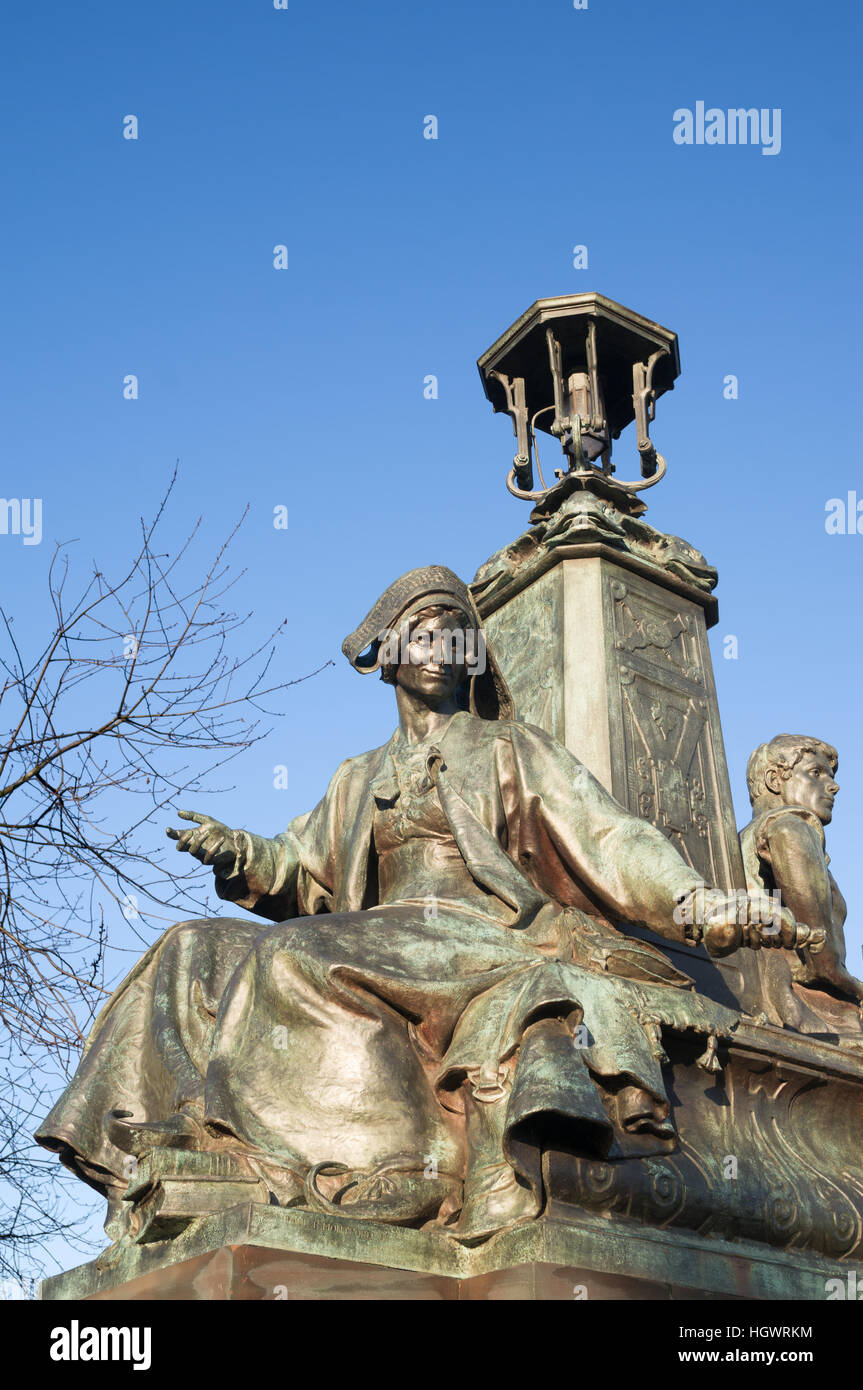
(792, 787)
(446, 980)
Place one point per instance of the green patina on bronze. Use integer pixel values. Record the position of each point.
(490, 995)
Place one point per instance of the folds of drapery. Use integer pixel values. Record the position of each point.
(384, 1014)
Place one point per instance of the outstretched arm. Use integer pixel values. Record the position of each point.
(252, 871)
(625, 862)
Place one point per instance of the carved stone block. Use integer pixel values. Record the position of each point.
(617, 667)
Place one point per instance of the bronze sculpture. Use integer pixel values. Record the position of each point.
(500, 1038)
(447, 980)
(792, 787)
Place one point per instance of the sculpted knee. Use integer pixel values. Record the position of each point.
(205, 933)
(300, 949)
(186, 932)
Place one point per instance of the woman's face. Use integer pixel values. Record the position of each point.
(432, 663)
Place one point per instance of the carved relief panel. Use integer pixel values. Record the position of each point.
(668, 762)
(618, 669)
(775, 1162)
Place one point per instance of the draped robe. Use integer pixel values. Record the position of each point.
(349, 1031)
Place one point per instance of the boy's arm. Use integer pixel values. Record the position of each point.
(796, 855)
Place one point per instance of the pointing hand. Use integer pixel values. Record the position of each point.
(211, 842)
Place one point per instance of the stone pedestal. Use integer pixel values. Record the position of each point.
(256, 1252)
(761, 1199)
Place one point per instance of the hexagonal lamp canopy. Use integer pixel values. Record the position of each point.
(580, 367)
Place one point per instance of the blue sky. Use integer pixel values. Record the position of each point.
(407, 257)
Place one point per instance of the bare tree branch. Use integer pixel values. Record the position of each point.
(138, 692)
